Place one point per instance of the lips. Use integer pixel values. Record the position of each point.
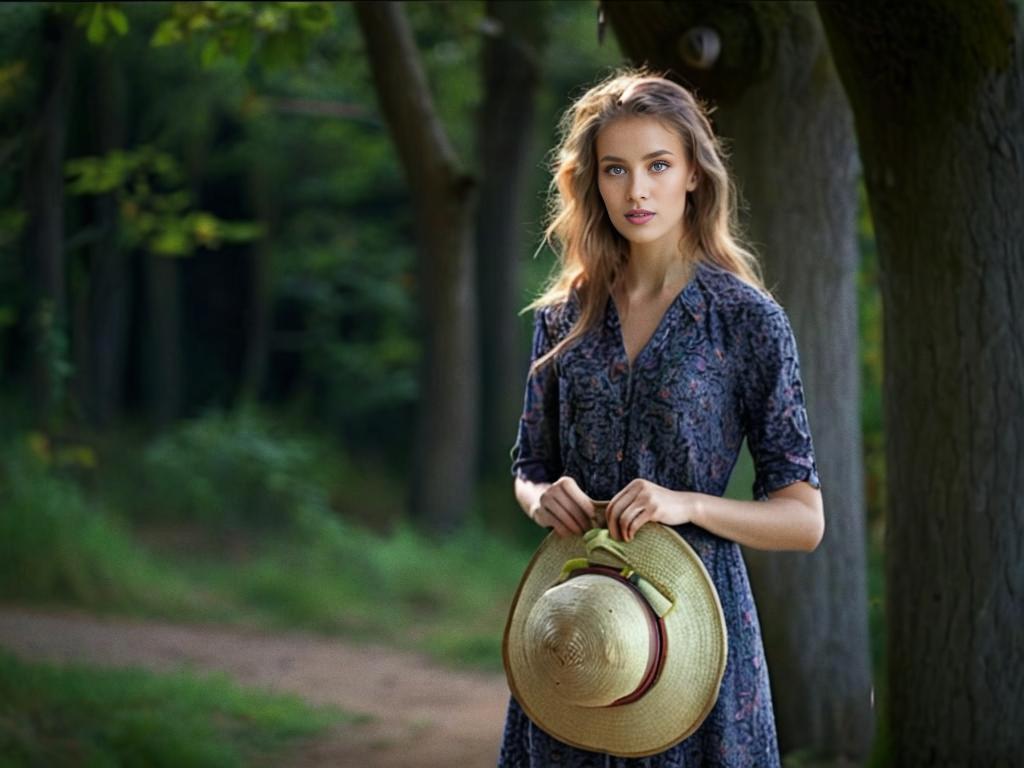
(640, 216)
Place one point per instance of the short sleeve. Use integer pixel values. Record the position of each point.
(775, 416)
(536, 455)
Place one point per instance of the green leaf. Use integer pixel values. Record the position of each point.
(168, 32)
(117, 20)
(314, 17)
(211, 53)
(243, 46)
(171, 241)
(199, 22)
(97, 30)
(240, 231)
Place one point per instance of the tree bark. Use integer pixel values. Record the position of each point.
(444, 198)
(109, 278)
(781, 109)
(258, 310)
(512, 70)
(44, 206)
(163, 306)
(937, 90)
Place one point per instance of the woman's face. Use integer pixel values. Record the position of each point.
(643, 178)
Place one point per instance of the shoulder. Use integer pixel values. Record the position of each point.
(558, 318)
(747, 313)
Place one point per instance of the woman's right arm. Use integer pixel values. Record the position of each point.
(549, 498)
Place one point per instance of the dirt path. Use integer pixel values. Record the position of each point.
(420, 715)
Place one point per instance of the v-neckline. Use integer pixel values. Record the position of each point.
(630, 364)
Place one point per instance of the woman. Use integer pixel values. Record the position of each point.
(656, 350)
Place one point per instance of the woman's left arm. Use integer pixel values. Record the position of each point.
(791, 518)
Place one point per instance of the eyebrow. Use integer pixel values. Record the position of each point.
(648, 156)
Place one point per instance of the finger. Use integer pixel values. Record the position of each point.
(584, 502)
(622, 523)
(638, 522)
(569, 517)
(549, 520)
(572, 508)
(617, 508)
(615, 521)
(623, 498)
(626, 521)
(560, 530)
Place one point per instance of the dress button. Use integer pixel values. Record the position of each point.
(618, 456)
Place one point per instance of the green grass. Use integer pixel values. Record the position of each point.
(55, 716)
(300, 566)
(447, 598)
(58, 546)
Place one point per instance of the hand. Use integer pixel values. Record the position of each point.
(564, 507)
(641, 502)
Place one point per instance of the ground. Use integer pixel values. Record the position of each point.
(418, 714)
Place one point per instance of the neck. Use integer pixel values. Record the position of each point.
(653, 268)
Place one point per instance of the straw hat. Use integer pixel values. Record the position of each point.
(616, 647)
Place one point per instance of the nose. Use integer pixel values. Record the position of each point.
(637, 190)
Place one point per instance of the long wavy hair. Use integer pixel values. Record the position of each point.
(590, 251)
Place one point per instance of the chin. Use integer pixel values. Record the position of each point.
(641, 238)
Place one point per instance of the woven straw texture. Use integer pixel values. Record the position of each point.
(695, 659)
(589, 618)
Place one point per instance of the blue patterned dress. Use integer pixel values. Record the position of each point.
(722, 365)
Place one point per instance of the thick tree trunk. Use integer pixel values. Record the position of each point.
(511, 74)
(782, 110)
(110, 281)
(938, 94)
(444, 198)
(44, 206)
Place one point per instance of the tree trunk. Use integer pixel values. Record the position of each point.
(782, 111)
(512, 70)
(938, 94)
(444, 199)
(110, 281)
(258, 311)
(44, 206)
(164, 347)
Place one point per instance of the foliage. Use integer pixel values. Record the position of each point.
(54, 351)
(277, 33)
(304, 567)
(235, 473)
(153, 202)
(78, 716)
(100, 20)
(448, 598)
(56, 545)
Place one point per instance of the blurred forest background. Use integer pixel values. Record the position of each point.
(262, 266)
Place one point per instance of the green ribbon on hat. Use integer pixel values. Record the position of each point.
(600, 545)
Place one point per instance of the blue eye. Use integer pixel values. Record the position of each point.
(658, 162)
(612, 168)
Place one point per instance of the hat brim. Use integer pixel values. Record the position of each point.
(696, 652)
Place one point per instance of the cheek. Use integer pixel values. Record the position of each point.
(675, 187)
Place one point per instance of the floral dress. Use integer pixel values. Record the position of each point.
(721, 365)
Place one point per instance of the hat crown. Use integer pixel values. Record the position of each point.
(590, 638)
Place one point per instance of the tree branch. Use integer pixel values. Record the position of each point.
(423, 147)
